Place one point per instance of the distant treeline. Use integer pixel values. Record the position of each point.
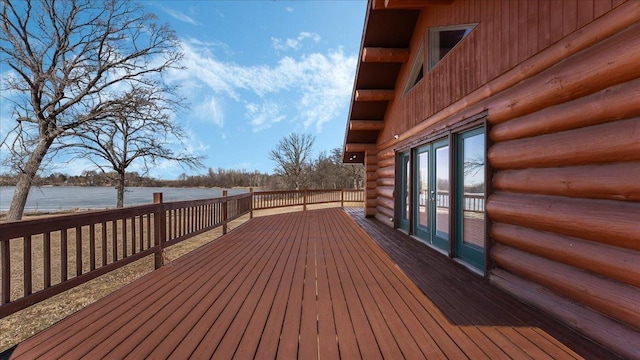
(327, 172)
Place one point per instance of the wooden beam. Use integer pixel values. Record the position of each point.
(609, 261)
(613, 103)
(366, 124)
(605, 221)
(599, 144)
(617, 181)
(379, 54)
(375, 95)
(407, 4)
(358, 147)
(609, 297)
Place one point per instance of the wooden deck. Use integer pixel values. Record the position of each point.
(307, 285)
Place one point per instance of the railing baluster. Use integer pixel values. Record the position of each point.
(141, 229)
(63, 255)
(46, 259)
(26, 250)
(124, 238)
(133, 236)
(114, 240)
(92, 247)
(5, 253)
(224, 212)
(78, 250)
(104, 243)
(149, 231)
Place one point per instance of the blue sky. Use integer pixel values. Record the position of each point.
(255, 72)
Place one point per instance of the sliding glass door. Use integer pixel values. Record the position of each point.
(431, 194)
(441, 195)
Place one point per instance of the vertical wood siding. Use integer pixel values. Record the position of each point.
(508, 33)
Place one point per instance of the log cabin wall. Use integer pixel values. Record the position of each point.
(566, 201)
(560, 83)
(507, 34)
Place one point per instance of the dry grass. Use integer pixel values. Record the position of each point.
(25, 323)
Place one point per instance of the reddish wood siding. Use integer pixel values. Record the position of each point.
(508, 33)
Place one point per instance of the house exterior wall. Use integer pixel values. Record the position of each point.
(508, 33)
(558, 83)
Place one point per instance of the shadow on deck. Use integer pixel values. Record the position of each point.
(308, 285)
(465, 298)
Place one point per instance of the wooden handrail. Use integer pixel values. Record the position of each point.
(93, 243)
(275, 199)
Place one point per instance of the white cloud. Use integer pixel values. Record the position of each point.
(263, 115)
(180, 16)
(294, 44)
(289, 9)
(210, 110)
(317, 85)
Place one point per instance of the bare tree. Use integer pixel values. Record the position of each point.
(330, 172)
(292, 157)
(141, 131)
(69, 61)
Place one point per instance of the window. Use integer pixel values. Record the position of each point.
(417, 71)
(443, 39)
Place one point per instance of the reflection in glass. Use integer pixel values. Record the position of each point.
(473, 174)
(407, 180)
(423, 189)
(442, 192)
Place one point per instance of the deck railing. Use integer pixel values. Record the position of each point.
(47, 256)
(472, 202)
(275, 199)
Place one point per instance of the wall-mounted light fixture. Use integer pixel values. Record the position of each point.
(396, 136)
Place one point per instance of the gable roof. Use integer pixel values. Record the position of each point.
(384, 48)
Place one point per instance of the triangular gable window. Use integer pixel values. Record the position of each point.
(417, 71)
(443, 39)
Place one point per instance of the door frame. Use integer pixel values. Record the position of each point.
(403, 187)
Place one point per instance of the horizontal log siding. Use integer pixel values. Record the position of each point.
(371, 165)
(559, 81)
(566, 201)
(385, 190)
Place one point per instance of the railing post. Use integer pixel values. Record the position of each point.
(159, 230)
(342, 198)
(304, 199)
(251, 204)
(224, 212)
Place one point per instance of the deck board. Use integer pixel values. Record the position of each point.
(306, 285)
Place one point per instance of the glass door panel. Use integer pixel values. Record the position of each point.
(471, 195)
(441, 201)
(422, 190)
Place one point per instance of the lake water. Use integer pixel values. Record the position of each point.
(57, 198)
